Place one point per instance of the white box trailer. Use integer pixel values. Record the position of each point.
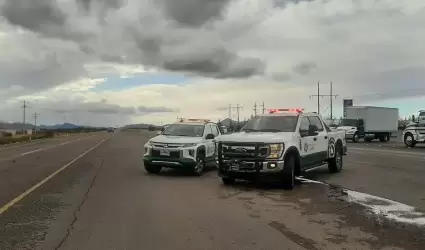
(370, 123)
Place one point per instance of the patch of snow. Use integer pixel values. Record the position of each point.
(390, 209)
(304, 180)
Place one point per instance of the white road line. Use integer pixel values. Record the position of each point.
(29, 191)
(30, 152)
(54, 146)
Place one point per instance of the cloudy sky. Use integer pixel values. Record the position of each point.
(115, 62)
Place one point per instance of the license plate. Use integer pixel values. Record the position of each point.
(164, 152)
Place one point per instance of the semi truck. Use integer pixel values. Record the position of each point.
(369, 123)
(415, 131)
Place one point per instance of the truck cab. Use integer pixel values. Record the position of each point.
(187, 144)
(414, 132)
(278, 146)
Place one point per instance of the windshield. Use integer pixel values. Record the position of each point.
(421, 116)
(271, 124)
(349, 122)
(194, 130)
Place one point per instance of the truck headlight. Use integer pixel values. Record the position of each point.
(351, 131)
(187, 145)
(276, 150)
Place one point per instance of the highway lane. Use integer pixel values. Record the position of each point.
(22, 167)
(388, 170)
(104, 200)
(14, 149)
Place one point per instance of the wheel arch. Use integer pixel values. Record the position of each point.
(292, 150)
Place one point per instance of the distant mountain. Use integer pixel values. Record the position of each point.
(17, 125)
(59, 126)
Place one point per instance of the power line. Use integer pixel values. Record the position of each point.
(319, 96)
(35, 121)
(23, 124)
(238, 108)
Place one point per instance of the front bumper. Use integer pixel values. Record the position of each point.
(252, 171)
(179, 163)
(420, 138)
(182, 157)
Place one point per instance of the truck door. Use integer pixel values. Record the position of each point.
(360, 126)
(321, 140)
(209, 144)
(306, 144)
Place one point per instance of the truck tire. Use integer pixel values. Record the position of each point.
(152, 169)
(228, 180)
(288, 175)
(335, 163)
(356, 138)
(409, 140)
(198, 170)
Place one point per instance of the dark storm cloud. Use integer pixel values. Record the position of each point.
(304, 68)
(33, 14)
(87, 5)
(151, 41)
(194, 12)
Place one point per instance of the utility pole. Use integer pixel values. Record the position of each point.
(23, 124)
(330, 99)
(230, 118)
(318, 95)
(255, 109)
(35, 122)
(237, 110)
(264, 109)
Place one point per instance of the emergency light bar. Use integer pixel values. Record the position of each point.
(296, 110)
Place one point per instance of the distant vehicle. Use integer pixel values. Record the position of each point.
(188, 144)
(415, 131)
(278, 146)
(110, 130)
(369, 123)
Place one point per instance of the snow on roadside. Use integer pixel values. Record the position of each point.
(390, 209)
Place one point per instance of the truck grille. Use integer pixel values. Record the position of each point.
(242, 151)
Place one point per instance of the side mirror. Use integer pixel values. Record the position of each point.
(158, 133)
(303, 133)
(313, 130)
(210, 137)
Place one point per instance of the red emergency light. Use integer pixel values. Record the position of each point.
(294, 110)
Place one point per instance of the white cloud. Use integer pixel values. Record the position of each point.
(363, 46)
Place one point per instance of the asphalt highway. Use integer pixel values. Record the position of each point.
(91, 192)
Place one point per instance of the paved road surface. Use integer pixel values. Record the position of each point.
(105, 201)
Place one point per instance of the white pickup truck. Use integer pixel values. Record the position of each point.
(279, 146)
(188, 144)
